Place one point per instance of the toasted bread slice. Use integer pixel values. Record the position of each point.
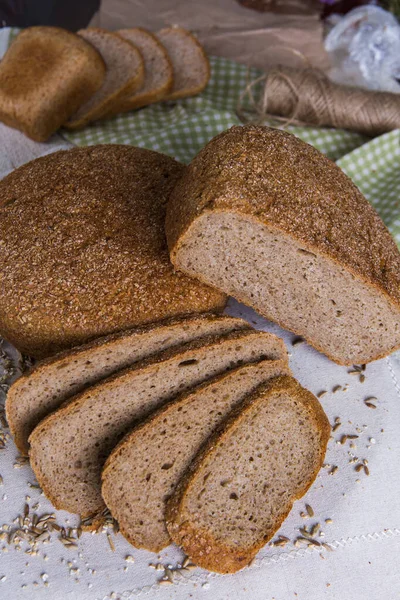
(70, 447)
(143, 471)
(242, 485)
(42, 390)
(158, 71)
(45, 76)
(125, 75)
(189, 61)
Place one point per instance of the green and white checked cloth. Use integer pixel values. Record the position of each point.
(182, 128)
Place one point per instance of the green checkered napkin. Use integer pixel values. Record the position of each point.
(182, 128)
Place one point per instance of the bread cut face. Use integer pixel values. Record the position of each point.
(46, 74)
(243, 483)
(83, 249)
(45, 387)
(69, 448)
(125, 74)
(191, 69)
(143, 471)
(158, 71)
(269, 220)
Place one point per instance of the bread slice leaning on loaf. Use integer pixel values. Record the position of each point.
(69, 447)
(45, 387)
(83, 248)
(143, 471)
(191, 69)
(158, 71)
(45, 76)
(269, 220)
(243, 483)
(124, 76)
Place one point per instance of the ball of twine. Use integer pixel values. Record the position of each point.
(307, 97)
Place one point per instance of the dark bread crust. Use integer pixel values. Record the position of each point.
(272, 177)
(83, 249)
(198, 543)
(85, 352)
(61, 66)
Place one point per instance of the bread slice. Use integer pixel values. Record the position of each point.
(69, 447)
(83, 250)
(45, 387)
(142, 472)
(158, 71)
(124, 76)
(46, 74)
(243, 483)
(299, 242)
(189, 61)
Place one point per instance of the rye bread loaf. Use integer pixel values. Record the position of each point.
(243, 483)
(46, 74)
(269, 220)
(83, 249)
(51, 381)
(158, 71)
(191, 69)
(70, 446)
(143, 471)
(124, 75)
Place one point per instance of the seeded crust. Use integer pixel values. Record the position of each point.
(155, 61)
(124, 76)
(83, 249)
(51, 381)
(271, 177)
(46, 74)
(170, 438)
(187, 56)
(88, 426)
(199, 543)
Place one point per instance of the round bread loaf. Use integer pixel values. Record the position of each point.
(83, 249)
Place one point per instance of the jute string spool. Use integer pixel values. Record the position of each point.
(308, 97)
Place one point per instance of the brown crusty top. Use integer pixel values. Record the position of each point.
(46, 74)
(83, 249)
(280, 180)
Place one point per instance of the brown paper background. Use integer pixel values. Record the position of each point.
(226, 28)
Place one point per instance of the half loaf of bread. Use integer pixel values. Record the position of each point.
(243, 483)
(45, 387)
(45, 76)
(143, 471)
(269, 220)
(83, 249)
(70, 446)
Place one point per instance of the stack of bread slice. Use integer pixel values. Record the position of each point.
(130, 421)
(51, 78)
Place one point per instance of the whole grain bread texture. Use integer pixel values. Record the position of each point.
(269, 220)
(45, 76)
(191, 69)
(68, 449)
(142, 472)
(83, 249)
(243, 483)
(158, 71)
(124, 76)
(51, 381)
